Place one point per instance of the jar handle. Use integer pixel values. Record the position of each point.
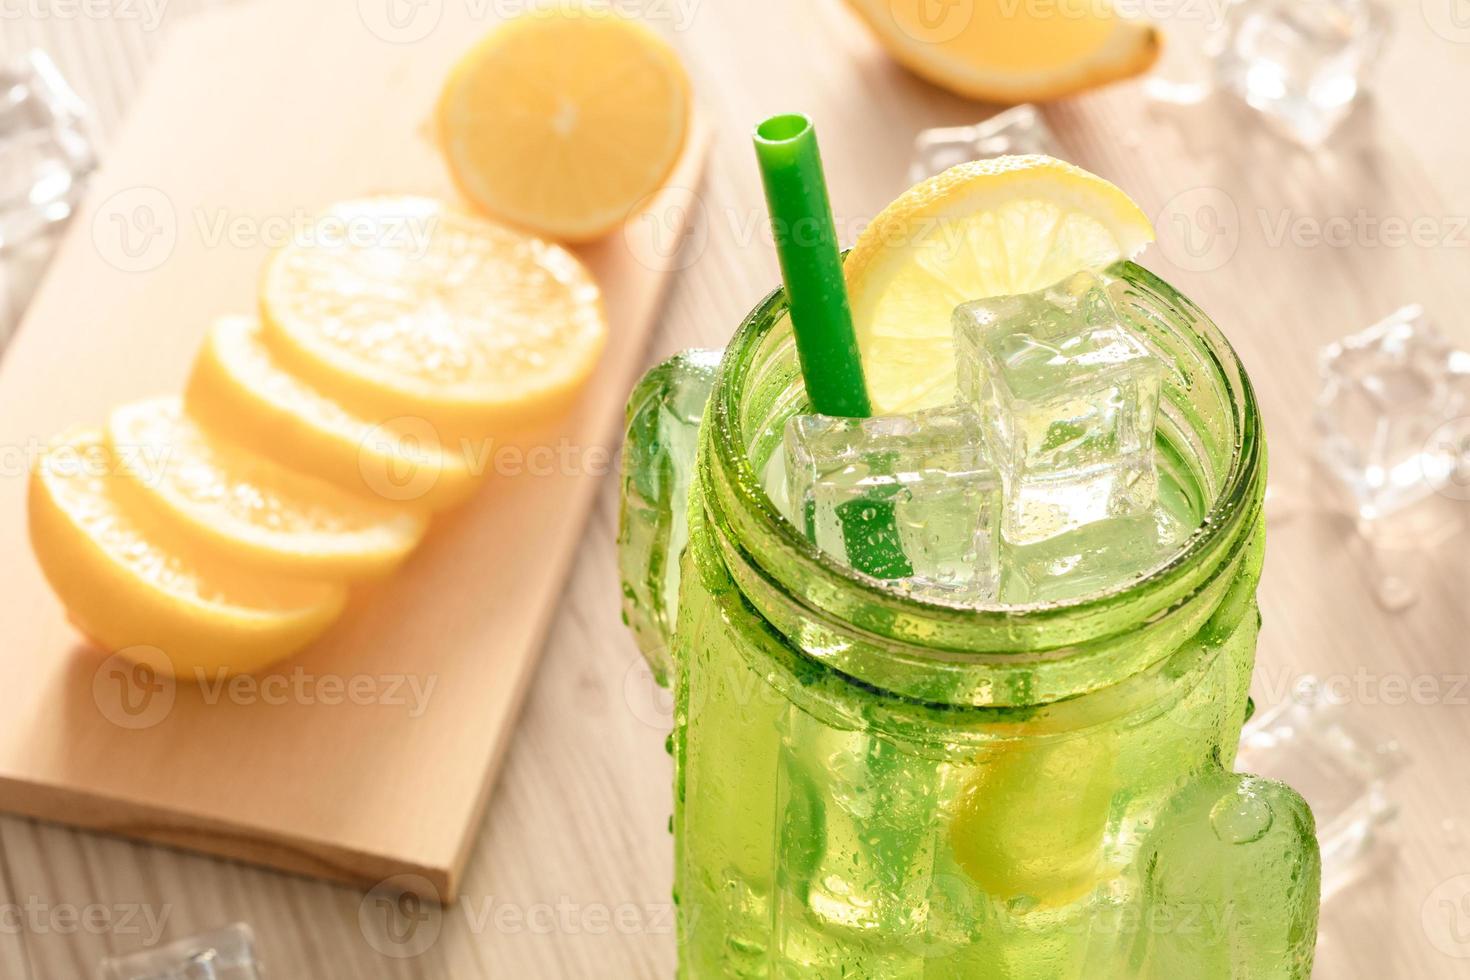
(1233, 882)
(662, 438)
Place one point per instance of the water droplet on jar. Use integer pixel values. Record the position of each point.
(1240, 818)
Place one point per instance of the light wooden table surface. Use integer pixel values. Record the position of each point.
(1289, 249)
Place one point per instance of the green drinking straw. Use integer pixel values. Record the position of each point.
(811, 265)
(821, 318)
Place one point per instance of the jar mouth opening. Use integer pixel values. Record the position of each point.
(1235, 500)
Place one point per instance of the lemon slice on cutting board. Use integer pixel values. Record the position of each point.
(127, 583)
(404, 309)
(241, 390)
(1012, 50)
(249, 509)
(562, 120)
(991, 228)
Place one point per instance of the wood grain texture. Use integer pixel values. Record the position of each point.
(579, 813)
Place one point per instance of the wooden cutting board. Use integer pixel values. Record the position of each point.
(371, 754)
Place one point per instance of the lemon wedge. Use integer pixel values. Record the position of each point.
(403, 309)
(240, 390)
(562, 120)
(1032, 820)
(1012, 50)
(246, 507)
(127, 583)
(992, 228)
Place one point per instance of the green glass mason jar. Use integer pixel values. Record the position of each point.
(871, 786)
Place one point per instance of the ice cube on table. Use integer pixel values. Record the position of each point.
(1310, 743)
(1385, 392)
(907, 498)
(1070, 395)
(226, 954)
(1302, 63)
(45, 149)
(1018, 130)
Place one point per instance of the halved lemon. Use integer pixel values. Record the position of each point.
(240, 390)
(563, 119)
(127, 583)
(249, 508)
(402, 308)
(1012, 50)
(992, 228)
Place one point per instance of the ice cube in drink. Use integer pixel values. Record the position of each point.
(912, 499)
(1093, 559)
(1070, 396)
